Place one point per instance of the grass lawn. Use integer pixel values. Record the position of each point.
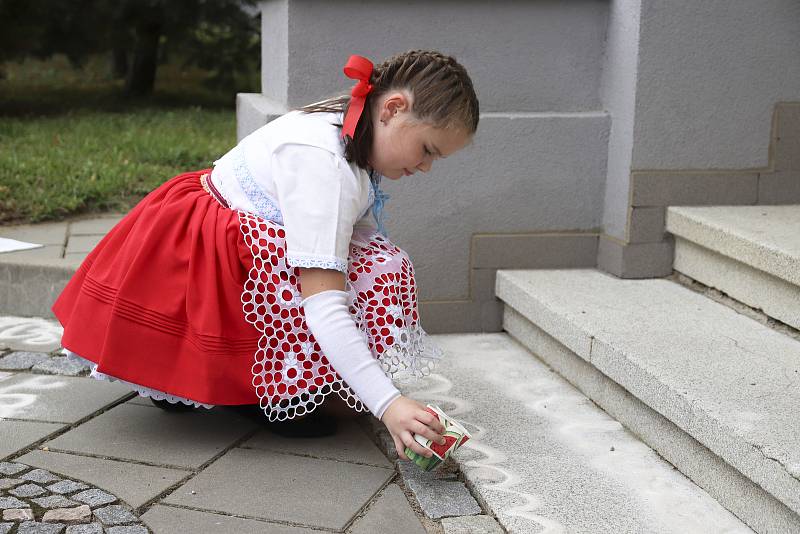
(70, 144)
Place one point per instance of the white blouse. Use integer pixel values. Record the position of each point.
(293, 171)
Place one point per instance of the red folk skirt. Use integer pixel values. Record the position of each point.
(191, 299)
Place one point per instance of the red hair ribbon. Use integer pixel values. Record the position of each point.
(358, 68)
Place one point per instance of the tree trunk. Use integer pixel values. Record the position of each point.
(142, 74)
(119, 62)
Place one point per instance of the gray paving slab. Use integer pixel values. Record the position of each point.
(66, 486)
(114, 514)
(389, 514)
(764, 237)
(88, 528)
(475, 524)
(29, 334)
(282, 487)
(95, 225)
(21, 360)
(728, 381)
(33, 527)
(127, 529)
(186, 439)
(173, 520)
(438, 496)
(134, 483)
(16, 435)
(56, 398)
(60, 365)
(42, 233)
(42, 476)
(45, 253)
(540, 456)
(82, 243)
(27, 490)
(349, 444)
(55, 501)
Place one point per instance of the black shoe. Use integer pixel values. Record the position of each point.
(315, 425)
(170, 407)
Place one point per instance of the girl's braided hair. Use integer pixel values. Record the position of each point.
(441, 91)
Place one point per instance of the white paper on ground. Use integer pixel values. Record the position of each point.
(11, 245)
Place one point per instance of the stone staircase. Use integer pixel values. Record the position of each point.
(714, 392)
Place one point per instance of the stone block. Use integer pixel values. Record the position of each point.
(94, 497)
(646, 224)
(134, 483)
(787, 156)
(88, 528)
(128, 529)
(534, 251)
(287, 484)
(41, 476)
(18, 361)
(636, 260)
(438, 497)
(389, 513)
(693, 189)
(450, 316)
(18, 514)
(11, 468)
(11, 502)
(28, 490)
(50, 253)
(32, 527)
(475, 524)
(55, 501)
(66, 486)
(5, 528)
(60, 365)
(77, 514)
(114, 514)
(144, 434)
(6, 483)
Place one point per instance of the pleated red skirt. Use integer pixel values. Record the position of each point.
(188, 297)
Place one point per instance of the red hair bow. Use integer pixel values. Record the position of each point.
(358, 68)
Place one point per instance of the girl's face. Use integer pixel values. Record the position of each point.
(401, 146)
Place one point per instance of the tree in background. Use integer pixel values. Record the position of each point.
(221, 36)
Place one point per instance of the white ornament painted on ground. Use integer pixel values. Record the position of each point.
(14, 398)
(30, 333)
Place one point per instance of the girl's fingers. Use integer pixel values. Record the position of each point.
(400, 449)
(414, 446)
(427, 432)
(432, 421)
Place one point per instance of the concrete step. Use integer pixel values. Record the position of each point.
(752, 253)
(714, 392)
(545, 458)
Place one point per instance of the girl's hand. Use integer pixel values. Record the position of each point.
(405, 417)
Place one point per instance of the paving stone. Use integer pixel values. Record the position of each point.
(66, 486)
(286, 485)
(27, 490)
(55, 501)
(88, 528)
(5, 528)
(350, 444)
(164, 519)
(140, 433)
(94, 497)
(11, 502)
(31, 527)
(18, 514)
(130, 529)
(40, 475)
(475, 524)
(6, 483)
(20, 434)
(22, 360)
(95, 226)
(436, 496)
(42, 233)
(10, 468)
(114, 514)
(82, 243)
(389, 514)
(61, 399)
(134, 483)
(30, 334)
(60, 365)
(78, 514)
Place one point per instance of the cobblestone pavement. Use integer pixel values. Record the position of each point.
(79, 455)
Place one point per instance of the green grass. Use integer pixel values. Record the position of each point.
(70, 143)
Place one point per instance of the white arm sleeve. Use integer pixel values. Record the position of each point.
(333, 327)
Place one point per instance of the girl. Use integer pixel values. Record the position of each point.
(272, 254)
